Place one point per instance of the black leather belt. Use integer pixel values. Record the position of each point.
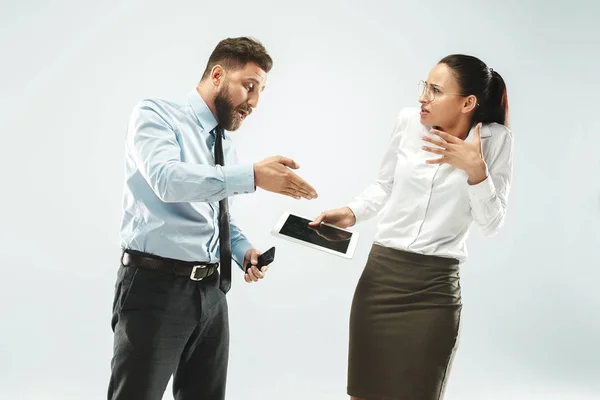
(194, 271)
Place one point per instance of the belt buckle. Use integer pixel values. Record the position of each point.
(193, 273)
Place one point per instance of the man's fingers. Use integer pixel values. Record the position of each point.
(296, 191)
(257, 272)
(301, 183)
(251, 275)
(290, 193)
(254, 274)
(296, 187)
(293, 188)
(297, 183)
(288, 162)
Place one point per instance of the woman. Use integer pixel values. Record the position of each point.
(447, 165)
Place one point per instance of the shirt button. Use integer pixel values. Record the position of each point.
(235, 192)
(246, 192)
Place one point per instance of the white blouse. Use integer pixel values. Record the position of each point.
(429, 208)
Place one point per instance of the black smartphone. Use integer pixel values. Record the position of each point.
(265, 258)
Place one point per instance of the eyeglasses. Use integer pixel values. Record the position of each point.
(429, 91)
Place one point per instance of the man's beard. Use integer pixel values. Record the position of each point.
(227, 114)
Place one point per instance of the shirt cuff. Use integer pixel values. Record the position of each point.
(239, 179)
(483, 190)
(357, 209)
(239, 250)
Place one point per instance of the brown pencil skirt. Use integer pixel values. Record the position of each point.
(404, 326)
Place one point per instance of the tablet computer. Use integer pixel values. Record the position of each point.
(325, 237)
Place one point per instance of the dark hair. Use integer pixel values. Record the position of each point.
(235, 53)
(475, 78)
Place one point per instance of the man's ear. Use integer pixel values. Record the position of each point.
(217, 75)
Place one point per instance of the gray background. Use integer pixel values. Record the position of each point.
(71, 72)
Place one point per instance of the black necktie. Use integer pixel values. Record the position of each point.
(224, 232)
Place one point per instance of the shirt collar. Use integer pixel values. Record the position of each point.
(483, 133)
(206, 119)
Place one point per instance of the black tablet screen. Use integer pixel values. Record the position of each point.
(325, 236)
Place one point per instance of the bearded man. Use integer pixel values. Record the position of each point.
(178, 240)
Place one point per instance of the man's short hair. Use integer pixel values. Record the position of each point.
(235, 53)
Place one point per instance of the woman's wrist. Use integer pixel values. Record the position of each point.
(478, 173)
(351, 215)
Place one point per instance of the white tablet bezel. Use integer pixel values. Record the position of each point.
(351, 246)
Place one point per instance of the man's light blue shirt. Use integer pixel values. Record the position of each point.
(172, 186)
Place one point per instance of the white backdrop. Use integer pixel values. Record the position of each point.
(71, 72)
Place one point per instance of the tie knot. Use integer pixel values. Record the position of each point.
(218, 131)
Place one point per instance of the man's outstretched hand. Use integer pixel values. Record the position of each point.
(274, 174)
